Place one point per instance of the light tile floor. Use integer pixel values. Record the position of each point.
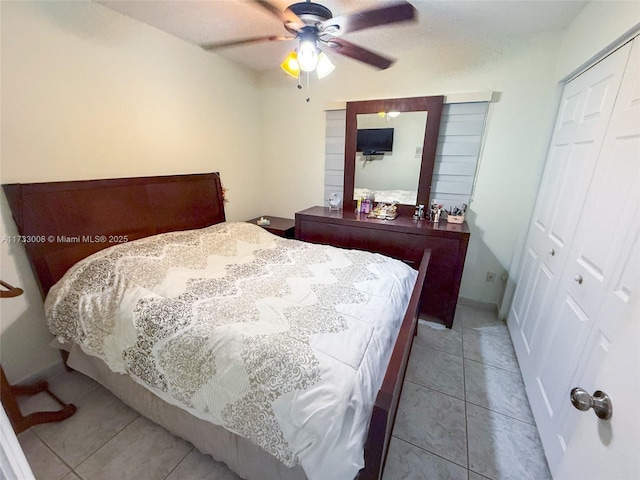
(463, 415)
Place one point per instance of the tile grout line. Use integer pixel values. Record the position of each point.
(466, 416)
(181, 460)
(495, 366)
(429, 451)
(436, 390)
(503, 414)
(519, 372)
(438, 349)
(52, 386)
(107, 441)
(50, 448)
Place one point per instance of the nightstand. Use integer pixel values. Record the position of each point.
(283, 227)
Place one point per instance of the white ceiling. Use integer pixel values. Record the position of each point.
(440, 22)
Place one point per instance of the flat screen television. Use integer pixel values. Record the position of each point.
(373, 141)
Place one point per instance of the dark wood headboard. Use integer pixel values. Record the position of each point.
(64, 222)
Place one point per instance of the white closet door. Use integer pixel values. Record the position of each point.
(597, 288)
(583, 117)
(611, 363)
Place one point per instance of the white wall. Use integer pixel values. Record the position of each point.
(89, 93)
(511, 164)
(598, 27)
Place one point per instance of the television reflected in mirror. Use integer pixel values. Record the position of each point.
(374, 141)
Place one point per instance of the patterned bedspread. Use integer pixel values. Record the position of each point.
(280, 341)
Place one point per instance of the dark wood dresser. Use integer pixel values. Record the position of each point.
(403, 238)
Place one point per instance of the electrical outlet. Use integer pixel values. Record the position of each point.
(491, 276)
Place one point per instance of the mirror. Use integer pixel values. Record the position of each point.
(422, 141)
(390, 176)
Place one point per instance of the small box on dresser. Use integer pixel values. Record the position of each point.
(403, 238)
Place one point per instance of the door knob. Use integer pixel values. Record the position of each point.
(578, 278)
(552, 252)
(600, 402)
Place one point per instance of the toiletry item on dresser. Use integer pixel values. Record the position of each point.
(456, 214)
(367, 204)
(434, 212)
(384, 211)
(418, 213)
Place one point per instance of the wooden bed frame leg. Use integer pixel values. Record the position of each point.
(19, 422)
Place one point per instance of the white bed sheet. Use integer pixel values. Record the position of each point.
(282, 342)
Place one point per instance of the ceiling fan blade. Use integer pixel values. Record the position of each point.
(287, 16)
(397, 12)
(244, 41)
(350, 50)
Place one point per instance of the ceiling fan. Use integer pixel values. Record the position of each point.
(315, 27)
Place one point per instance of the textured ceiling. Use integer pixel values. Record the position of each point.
(440, 22)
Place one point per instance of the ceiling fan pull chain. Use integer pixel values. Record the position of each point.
(308, 76)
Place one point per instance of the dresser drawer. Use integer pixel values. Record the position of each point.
(407, 247)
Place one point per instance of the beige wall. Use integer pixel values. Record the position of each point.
(597, 29)
(89, 93)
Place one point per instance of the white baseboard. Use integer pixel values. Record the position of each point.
(45, 374)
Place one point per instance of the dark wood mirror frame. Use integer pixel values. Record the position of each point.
(432, 105)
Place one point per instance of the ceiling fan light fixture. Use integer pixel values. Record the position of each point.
(388, 114)
(325, 66)
(307, 55)
(313, 26)
(290, 64)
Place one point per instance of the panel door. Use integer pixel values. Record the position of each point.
(583, 117)
(594, 448)
(600, 264)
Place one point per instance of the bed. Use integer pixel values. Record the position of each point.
(194, 322)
